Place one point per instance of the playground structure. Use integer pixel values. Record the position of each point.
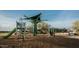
(20, 29)
(35, 20)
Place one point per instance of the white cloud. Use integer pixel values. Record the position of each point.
(62, 23)
(6, 23)
(63, 20)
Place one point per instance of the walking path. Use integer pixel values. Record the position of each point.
(77, 37)
(66, 35)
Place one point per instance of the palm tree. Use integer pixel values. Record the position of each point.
(35, 20)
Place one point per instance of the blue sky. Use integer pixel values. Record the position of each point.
(56, 18)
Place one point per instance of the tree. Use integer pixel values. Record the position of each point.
(29, 29)
(42, 27)
(76, 26)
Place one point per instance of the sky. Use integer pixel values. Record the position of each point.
(55, 18)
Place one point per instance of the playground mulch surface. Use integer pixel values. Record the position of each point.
(40, 41)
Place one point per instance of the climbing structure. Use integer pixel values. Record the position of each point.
(35, 20)
(20, 29)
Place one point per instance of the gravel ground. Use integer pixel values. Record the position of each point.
(40, 41)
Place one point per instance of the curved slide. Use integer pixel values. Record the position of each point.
(10, 33)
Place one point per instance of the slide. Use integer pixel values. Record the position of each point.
(10, 33)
